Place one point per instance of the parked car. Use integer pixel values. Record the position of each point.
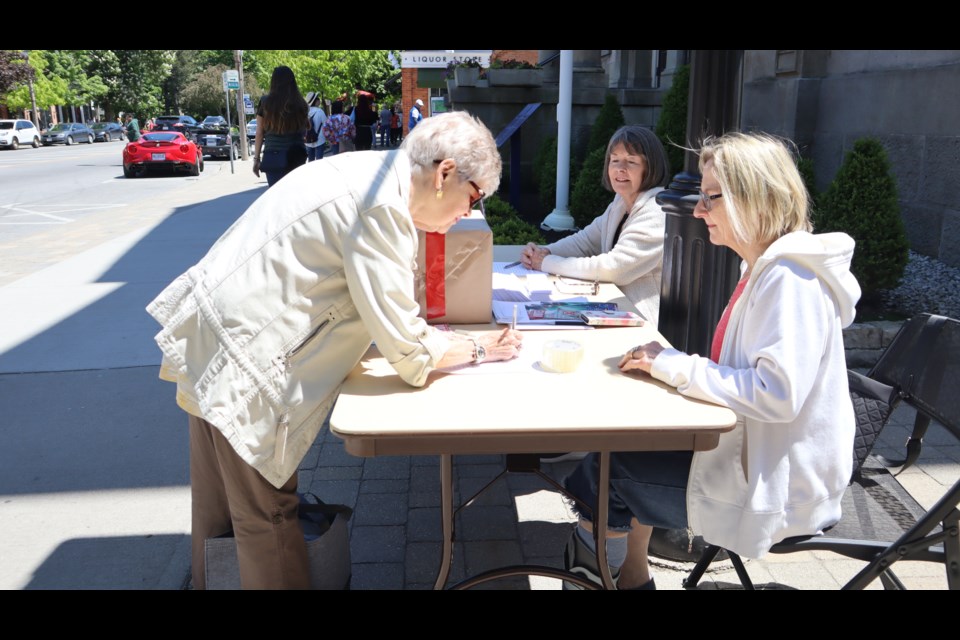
(67, 133)
(169, 149)
(252, 132)
(213, 122)
(107, 131)
(186, 123)
(218, 140)
(14, 133)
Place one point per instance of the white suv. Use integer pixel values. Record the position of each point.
(14, 133)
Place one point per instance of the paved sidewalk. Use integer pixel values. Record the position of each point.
(521, 520)
(94, 485)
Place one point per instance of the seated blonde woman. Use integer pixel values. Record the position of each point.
(777, 360)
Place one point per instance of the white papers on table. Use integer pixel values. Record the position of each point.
(534, 286)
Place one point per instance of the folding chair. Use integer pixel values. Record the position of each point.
(921, 368)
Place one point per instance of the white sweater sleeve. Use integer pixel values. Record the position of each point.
(638, 250)
(378, 259)
(783, 338)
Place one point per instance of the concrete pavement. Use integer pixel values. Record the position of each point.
(94, 488)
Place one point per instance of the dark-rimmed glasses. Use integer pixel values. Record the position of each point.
(481, 194)
(707, 200)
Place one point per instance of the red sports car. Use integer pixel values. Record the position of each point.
(162, 149)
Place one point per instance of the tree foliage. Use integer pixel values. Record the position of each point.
(48, 90)
(862, 201)
(203, 94)
(14, 70)
(139, 82)
(331, 72)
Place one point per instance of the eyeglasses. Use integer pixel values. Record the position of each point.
(707, 200)
(481, 194)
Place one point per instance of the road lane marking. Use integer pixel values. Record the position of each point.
(53, 219)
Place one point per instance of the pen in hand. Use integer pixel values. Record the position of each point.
(512, 265)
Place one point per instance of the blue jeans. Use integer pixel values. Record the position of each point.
(650, 486)
(316, 153)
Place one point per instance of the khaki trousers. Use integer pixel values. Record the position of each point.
(230, 494)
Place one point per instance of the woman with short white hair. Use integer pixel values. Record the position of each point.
(777, 360)
(261, 333)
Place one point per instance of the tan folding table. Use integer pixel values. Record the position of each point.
(519, 408)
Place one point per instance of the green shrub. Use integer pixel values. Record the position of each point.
(608, 121)
(589, 198)
(672, 125)
(516, 231)
(506, 224)
(545, 171)
(805, 167)
(862, 201)
(498, 210)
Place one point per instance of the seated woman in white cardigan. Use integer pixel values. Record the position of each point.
(625, 244)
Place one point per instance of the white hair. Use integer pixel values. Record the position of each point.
(460, 136)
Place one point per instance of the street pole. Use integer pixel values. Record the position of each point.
(241, 112)
(226, 93)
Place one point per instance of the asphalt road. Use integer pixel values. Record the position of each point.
(94, 483)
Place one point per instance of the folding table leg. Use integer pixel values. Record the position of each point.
(447, 513)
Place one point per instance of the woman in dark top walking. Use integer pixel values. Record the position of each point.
(366, 118)
(281, 122)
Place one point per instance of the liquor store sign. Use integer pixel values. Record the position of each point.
(440, 59)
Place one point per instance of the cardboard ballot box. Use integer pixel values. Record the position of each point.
(454, 279)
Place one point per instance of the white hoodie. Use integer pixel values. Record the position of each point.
(783, 469)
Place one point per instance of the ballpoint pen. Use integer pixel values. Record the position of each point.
(512, 265)
(514, 325)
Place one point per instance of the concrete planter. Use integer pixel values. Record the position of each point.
(466, 76)
(515, 77)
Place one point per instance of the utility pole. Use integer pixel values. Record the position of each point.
(241, 113)
(33, 94)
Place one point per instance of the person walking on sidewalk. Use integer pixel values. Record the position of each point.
(314, 141)
(385, 126)
(415, 115)
(281, 121)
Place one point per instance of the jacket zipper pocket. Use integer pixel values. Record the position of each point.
(293, 352)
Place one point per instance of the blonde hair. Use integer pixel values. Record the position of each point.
(460, 136)
(763, 192)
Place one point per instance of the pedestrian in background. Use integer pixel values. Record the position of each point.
(133, 128)
(281, 121)
(338, 130)
(415, 115)
(365, 118)
(385, 114)
(315, 143)
(396, 125)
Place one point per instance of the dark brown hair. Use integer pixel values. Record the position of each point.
(283, 109)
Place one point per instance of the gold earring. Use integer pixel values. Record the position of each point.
(439, 194)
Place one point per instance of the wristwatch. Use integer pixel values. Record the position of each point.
(479, 353)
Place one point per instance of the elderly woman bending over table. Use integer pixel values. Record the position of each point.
(260, 334)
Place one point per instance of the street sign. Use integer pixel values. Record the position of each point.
(248, 104)
(231, 79)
